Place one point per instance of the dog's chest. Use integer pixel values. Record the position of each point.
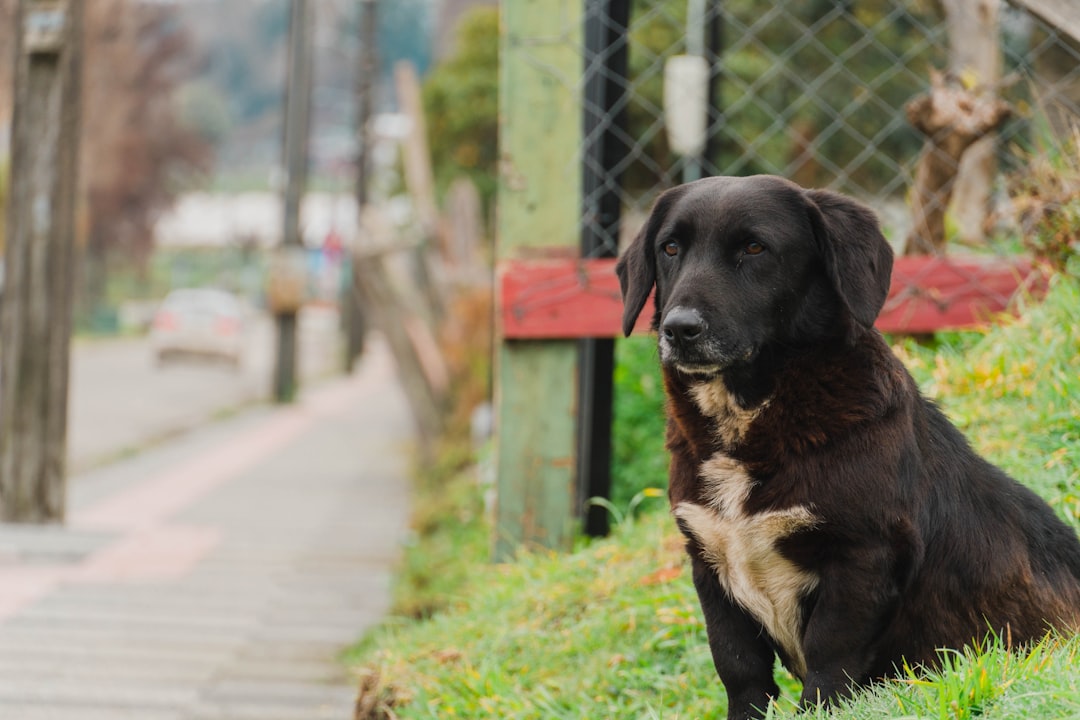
(743, 550)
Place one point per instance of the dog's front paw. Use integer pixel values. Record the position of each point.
(819, 690)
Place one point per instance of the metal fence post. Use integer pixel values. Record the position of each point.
(604, 119)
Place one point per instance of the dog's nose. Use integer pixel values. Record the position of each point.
(683, 324)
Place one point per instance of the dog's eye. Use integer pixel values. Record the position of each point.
(754, 248)
(671, 248)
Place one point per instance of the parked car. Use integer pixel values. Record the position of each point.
(199, 322)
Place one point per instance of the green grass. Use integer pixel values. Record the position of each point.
(992, 682)
(1015, 392)
(450, 536)
(613, 629)
(638, 457)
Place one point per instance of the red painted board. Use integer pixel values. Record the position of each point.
(561, 298)
(574, 298)
(934, 293)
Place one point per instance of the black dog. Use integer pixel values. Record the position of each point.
(833, 516)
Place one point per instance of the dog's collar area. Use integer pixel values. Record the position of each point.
(732, 420)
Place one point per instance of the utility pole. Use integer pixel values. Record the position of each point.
(367, 67)
(297, 115)
(35, 316)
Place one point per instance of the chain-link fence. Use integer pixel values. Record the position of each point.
(826, 93)
(815, 91)
(913, 106)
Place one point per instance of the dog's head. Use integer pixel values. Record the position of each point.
(743, 264)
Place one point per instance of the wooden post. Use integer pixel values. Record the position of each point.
(419, 175)
(539, 205)
(367, 67)
(35, 316)
(393, 303)
(297, 112)
(419, 179)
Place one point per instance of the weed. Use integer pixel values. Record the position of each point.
(620, 516)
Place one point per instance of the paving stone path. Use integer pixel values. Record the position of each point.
(218, 576)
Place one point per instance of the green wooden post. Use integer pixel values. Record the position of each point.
(539, 204)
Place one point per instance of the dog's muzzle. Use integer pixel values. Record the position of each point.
(688, 344)
(683, 342)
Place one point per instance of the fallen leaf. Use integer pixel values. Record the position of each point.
(663, 575)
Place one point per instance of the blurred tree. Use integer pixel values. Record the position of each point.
(238, 59)
(238, 77)
(204, 109)
(461, 105)
(136, 154)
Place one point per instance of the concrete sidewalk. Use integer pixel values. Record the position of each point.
(216, 576)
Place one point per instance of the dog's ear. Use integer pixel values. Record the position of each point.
(637, 275)
(637, 266)
(857, 256)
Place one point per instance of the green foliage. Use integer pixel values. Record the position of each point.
(1046, 197)
(461, 105)
(451, 535)
(637, 433)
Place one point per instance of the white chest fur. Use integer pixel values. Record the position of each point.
(742, 549)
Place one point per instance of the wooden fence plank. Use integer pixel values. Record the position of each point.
(571, 298)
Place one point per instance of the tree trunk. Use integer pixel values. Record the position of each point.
(952, 118)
